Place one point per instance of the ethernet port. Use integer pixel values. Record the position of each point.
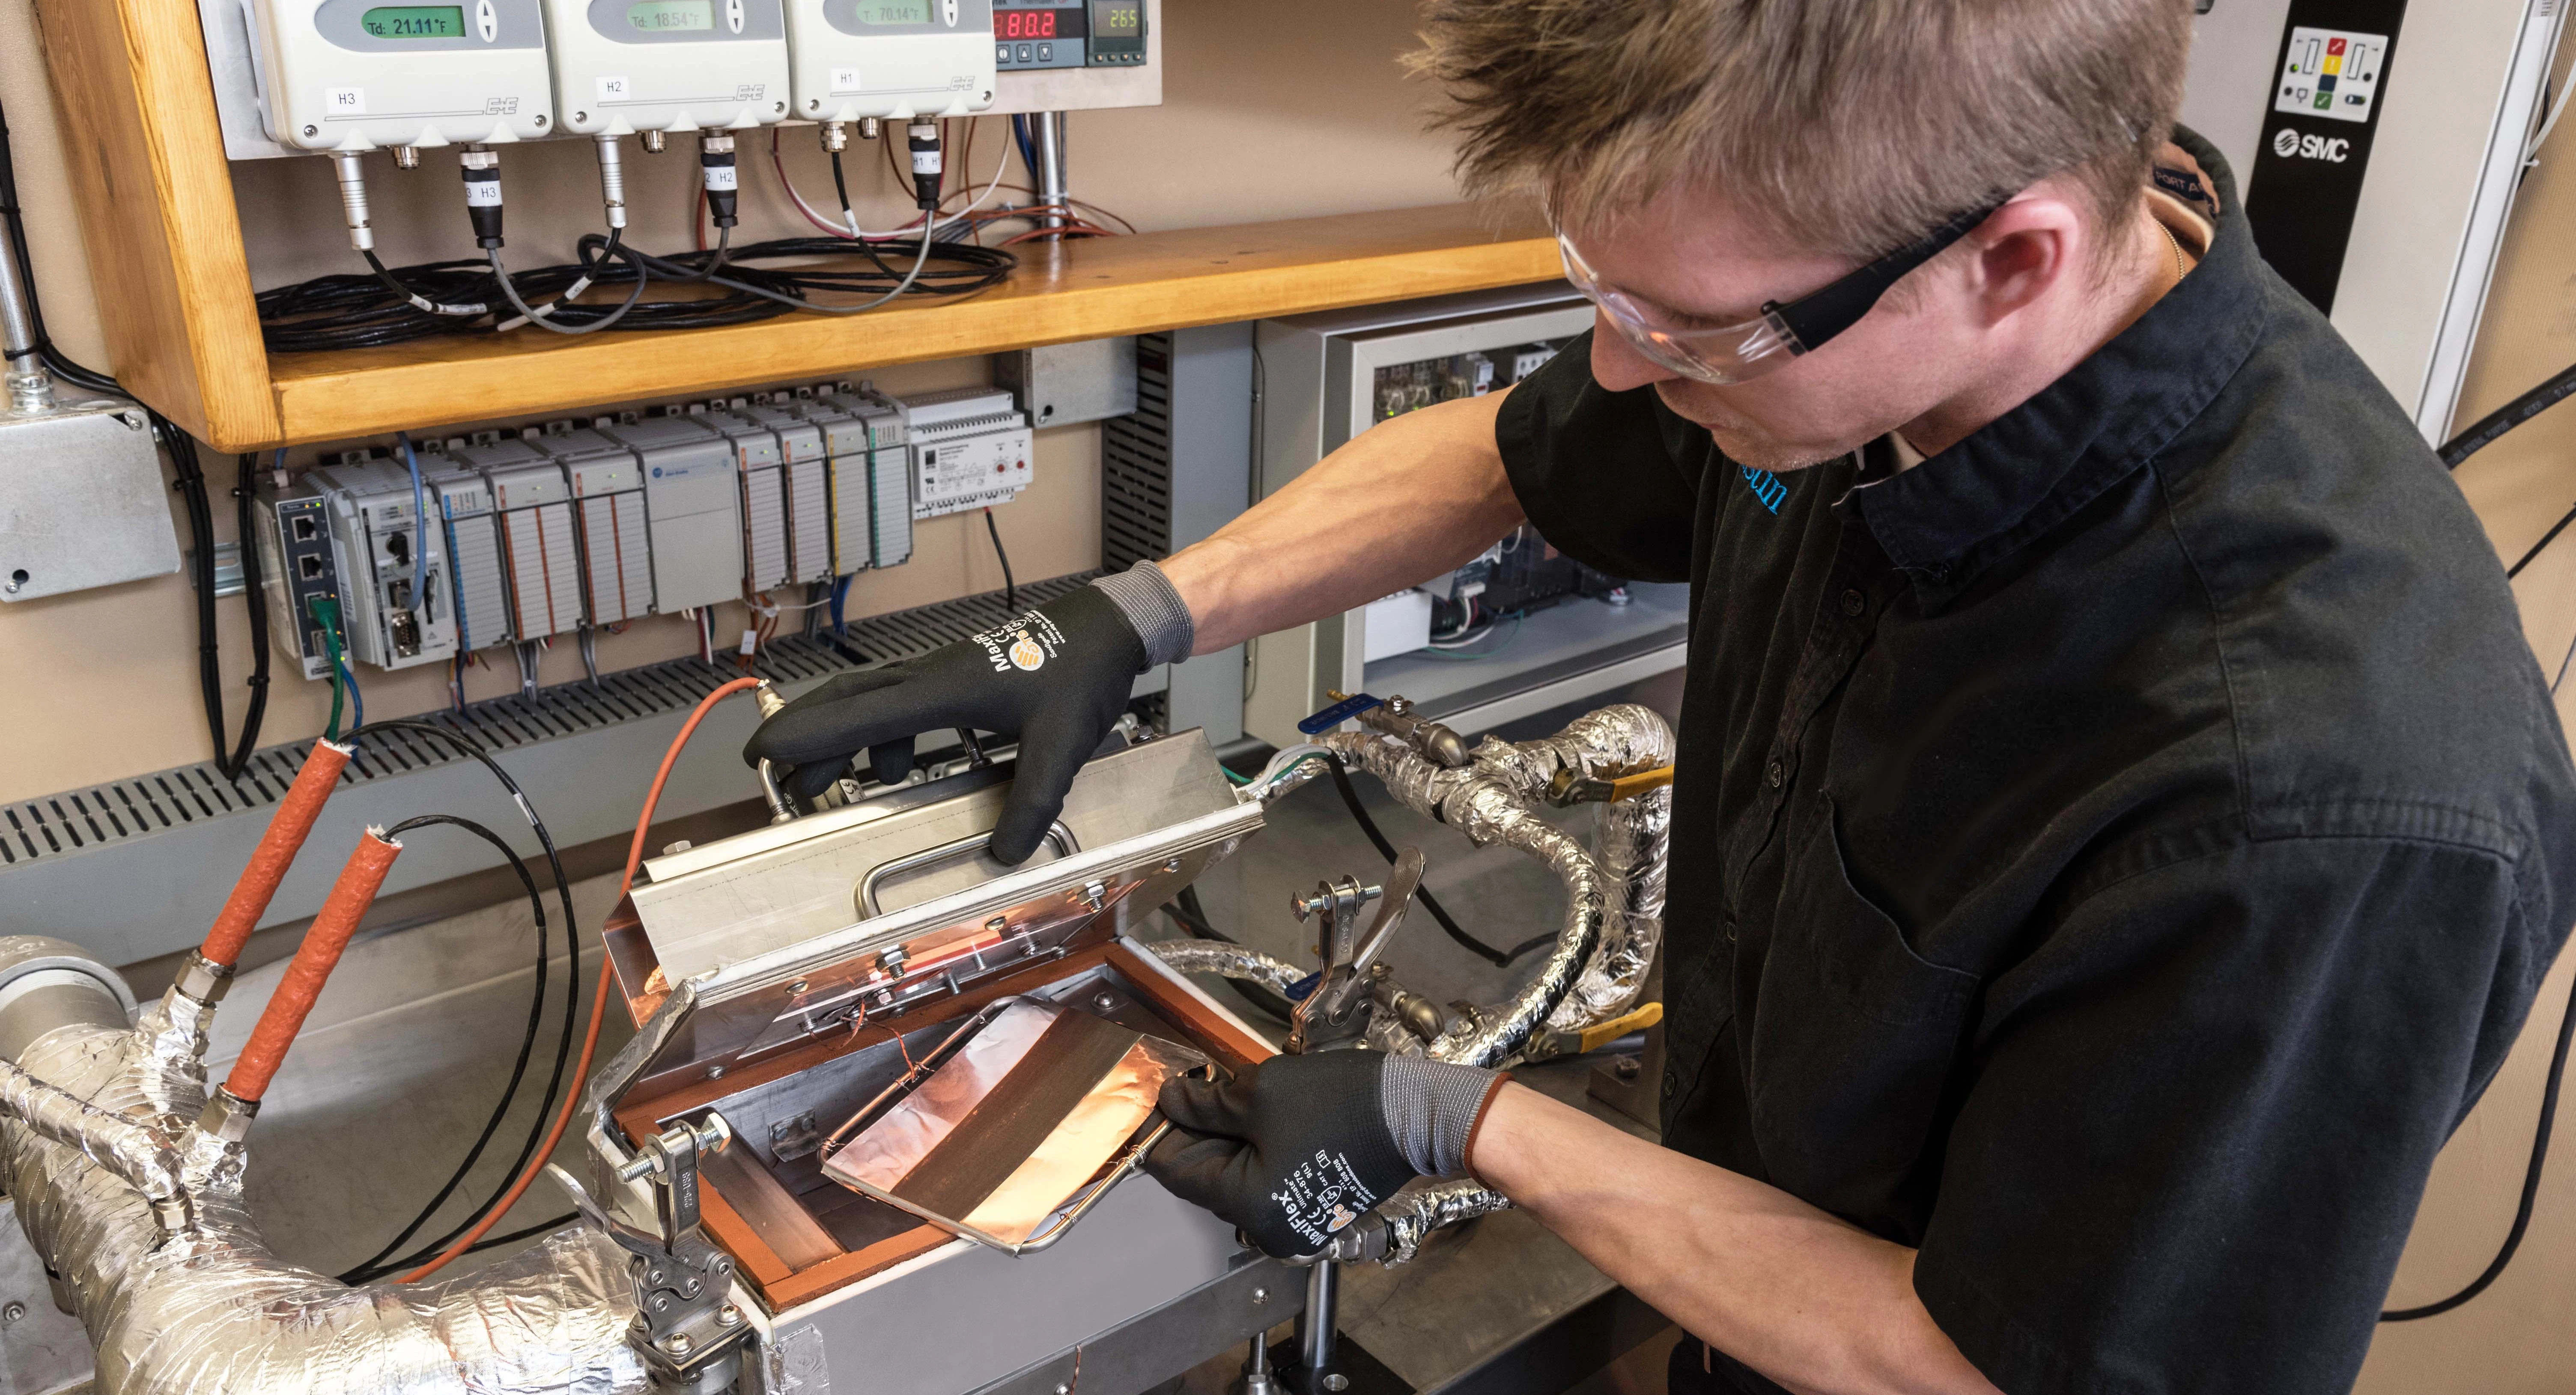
(308, 566)
(306, 529)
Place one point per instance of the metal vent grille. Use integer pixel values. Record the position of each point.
(56, 825)
(1136, 465)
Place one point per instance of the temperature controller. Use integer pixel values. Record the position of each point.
(889, 58)
(667, 65)
(1068, 33)
(363, 74)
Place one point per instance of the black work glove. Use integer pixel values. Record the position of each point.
(1056, 678)
(1298, 1147)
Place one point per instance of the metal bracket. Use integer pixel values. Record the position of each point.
(1331, 1012)
(687, 1329)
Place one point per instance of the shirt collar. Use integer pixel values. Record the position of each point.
(1945, 521)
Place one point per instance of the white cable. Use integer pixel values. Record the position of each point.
(2531, 152)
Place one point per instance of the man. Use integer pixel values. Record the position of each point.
(2118, 827)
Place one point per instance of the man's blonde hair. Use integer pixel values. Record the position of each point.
(1838, 126)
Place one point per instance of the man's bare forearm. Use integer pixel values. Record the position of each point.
(1405, 501)
(1816, 1304)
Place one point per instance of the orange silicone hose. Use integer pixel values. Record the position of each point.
(314, 959)
(276, 852)
(598, 1001)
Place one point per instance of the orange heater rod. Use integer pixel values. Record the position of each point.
(314, 960)
(275, 853)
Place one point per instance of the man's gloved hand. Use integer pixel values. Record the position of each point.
(1056, 678)
(1298, 1147)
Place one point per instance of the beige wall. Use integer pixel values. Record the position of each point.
(2515, 1338)
(1256, 125)
(1252, 127)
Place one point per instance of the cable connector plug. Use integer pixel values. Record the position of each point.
(612, 179)
(483, 194)
(923, 134)
(722, 180)
(353, 199)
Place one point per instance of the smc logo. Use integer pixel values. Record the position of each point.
(2290, 145)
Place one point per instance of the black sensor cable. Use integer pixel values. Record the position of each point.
(369, 1267)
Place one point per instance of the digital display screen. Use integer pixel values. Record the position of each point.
(671, 16)
(414, 22)
(892, 12)
(1037, 24)
(1120, 19)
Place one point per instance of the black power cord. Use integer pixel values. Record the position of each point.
(2530, 1183)
(572, 991)
(1500, 959)
(1010, 588)
(367, 1268)
(246, 522)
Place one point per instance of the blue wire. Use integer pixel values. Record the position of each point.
(357, 702)
(840, 592)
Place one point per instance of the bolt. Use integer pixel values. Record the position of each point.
(1063, 1390)
(1172, 865)
(1104, 1001)
(998, 923)
(677, 1344)
(1337, 1382)
(797, 987)
(1260, 1296)
(728, 1315)
(661, 1303)
(690, 1289)
(1626, 1068)
(13, 1312)
(674, 849)
(715, 1072)
(312, 130)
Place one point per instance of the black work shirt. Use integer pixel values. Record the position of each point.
(2110, 856)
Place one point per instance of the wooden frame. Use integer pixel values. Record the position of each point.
(782, 1285)
(165, 245)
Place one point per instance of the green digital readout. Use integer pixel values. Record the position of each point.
(671, 16)
(415, 22)
(1119, 18)
(889, 13)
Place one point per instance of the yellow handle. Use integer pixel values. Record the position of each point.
(1637, 1019)
(1630, 786)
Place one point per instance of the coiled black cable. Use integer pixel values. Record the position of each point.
(359, 311)
(369, 1267)
(572, 949)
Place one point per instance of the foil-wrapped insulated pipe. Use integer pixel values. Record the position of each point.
(1633, 840)
(134, 1154)
(212, 1312)
(1228, 961)
(1412, 1215)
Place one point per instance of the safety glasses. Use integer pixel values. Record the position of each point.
(1735, 353)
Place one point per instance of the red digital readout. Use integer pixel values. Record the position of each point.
(1024, 24)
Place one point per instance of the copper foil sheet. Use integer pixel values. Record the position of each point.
(1005, 1139)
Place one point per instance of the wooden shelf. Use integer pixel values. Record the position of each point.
(1080, 290)
(165, 246)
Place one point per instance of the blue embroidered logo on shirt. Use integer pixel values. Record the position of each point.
(1766, 487)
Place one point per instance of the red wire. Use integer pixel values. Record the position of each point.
(598, 1002)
